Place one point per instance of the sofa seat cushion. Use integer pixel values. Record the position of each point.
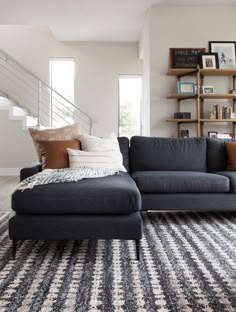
(231, 175)
(180, 182)
(108, 195)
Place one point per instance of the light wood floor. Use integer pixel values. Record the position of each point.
(7, 184)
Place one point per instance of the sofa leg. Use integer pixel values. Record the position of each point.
(137, 241)
(14, 246)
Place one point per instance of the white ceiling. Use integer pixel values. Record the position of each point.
(88, 20)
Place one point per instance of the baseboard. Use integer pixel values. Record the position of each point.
(9, 171)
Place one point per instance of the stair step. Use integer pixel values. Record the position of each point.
(17, 111)
(5, 102)
(2, 97)
(31, 122)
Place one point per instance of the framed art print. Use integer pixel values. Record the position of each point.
(207, 89)
(226, 52)
(186, 87)
(209, 60)
(185, 57)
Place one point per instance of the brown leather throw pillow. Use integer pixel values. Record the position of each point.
(231, 155)
(54, 154)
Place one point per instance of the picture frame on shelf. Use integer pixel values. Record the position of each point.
(231, 134)
(212, 134)
(185, 57)
(207, 90)
(209, 60)
(226, 53)
(184, 133)
(186, 87)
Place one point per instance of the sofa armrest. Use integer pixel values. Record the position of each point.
(29, 171)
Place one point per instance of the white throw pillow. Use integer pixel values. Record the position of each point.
(79, 158)
(109, 145)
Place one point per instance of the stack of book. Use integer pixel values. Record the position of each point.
(222, 112)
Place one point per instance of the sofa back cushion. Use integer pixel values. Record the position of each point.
(216, 155)
(124, 148)
(152, 153)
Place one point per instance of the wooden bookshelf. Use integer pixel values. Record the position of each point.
(199, 98)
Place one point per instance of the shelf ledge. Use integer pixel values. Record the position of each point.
(218, 120)
(181, 120)
(203, 72)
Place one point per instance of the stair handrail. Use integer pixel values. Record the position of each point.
(32, 88)
(7, 57)
(27, 107)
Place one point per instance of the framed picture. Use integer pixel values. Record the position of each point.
(184, 134)
(226, 52)
(212, 134)
(185, 57)
(231, 135)
(209, 60)
(186, 87)
(207, 90)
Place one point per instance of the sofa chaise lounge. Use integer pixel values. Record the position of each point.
(99, 208)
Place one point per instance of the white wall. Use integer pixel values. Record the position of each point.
(172, 27)
(17, 150)
(98, 66)
(144, 54)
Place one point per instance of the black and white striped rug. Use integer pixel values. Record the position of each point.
(188, 263)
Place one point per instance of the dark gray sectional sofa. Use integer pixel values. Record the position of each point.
(163, 174)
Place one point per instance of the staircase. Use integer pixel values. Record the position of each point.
(17, 113)
(33, 101)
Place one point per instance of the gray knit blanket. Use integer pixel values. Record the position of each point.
(48, 176)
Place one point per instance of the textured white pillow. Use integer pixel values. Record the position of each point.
(79, 158)
(109, 145)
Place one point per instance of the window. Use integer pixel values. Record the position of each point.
(62, 75)
(130, 98)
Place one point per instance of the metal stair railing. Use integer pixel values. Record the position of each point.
(37, 98)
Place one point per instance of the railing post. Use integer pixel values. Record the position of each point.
(51, 107)
(39, 100)
(90, 126)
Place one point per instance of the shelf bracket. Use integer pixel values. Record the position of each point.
(188, 74)
(187, 98)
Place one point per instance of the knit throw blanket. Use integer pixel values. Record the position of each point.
(48, 176)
